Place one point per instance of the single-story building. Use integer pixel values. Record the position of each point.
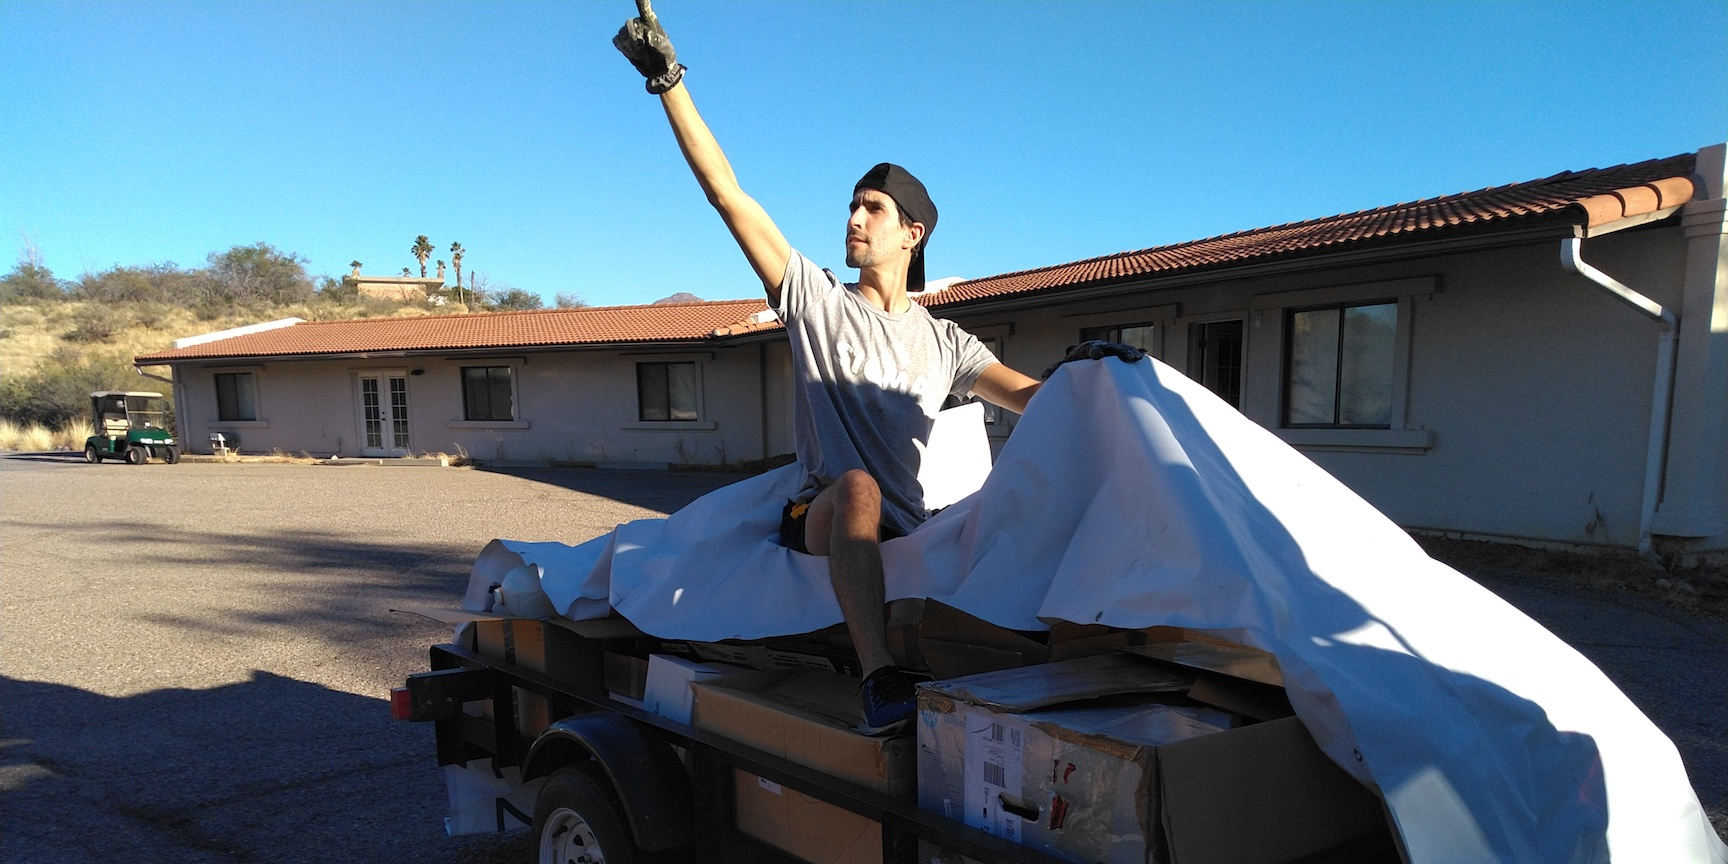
(1545, 361)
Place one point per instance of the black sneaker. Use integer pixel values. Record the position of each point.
(889, 700)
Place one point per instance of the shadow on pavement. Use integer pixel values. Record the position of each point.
(44, 456)
(268, 769)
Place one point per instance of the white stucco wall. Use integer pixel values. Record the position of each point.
(577, 407)
(1528, 394)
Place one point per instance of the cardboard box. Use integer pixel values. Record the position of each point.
(546, 647)
(1067, 777)
(806, 717)
(803, 826)
(573, 652)
(954, 644)
(667, 690)
(626, 675)
(1131, 778)
(1236, 678)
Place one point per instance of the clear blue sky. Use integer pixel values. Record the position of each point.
(136, 133)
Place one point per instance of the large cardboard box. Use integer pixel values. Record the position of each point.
(1043, 756)
(806, 717)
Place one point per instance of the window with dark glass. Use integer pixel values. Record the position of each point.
(1137, 335)
(1338, 366)
(487, 393)
(236, 396)
(666, 391)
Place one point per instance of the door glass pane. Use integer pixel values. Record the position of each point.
(399, 413)
(1365, 378)
(371, 415)
(1312, 392)
(1217, 359)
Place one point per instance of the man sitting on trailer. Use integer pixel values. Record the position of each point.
(871, 367)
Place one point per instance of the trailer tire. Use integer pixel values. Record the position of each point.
(90, 454)
(136, 456)
(575, 820)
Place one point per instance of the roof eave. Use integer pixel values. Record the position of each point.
(1358, 253)
(476, 351)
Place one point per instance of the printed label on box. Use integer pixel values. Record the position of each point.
(993, 771)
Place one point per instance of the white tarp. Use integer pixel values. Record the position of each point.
(1130, 496)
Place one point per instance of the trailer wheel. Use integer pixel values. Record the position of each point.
(170, 454)
(90, 454)
(136, 456)
(577, 822)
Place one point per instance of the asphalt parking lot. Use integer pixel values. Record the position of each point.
(195, 659)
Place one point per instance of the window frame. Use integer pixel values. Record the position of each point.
(1095, 316)
(216, 389)
(666, 367)
(515, 394)
(1339, 377)
(1267, 315)
(699, 367)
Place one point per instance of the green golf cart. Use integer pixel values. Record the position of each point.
(130, 425)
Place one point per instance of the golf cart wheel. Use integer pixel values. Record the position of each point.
(136, 456)
(170, 454)
(575, 820)
(90, 454)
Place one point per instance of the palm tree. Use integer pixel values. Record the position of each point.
(422, 250)
(456, 251)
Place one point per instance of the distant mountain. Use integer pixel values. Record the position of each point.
(680, 297)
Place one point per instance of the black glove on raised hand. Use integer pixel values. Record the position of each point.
(645, 44)
(1097, 349)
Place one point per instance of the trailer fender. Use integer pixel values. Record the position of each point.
(644, 772)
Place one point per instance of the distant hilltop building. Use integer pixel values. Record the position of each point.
(403, 289)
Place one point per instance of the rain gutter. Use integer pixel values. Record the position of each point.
(1662, 395)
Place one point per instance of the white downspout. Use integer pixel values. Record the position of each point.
(1662, 399)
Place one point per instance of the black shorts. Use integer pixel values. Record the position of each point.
(792, 520)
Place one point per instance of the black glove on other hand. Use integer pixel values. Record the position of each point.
(1098, 349)
(645, 44)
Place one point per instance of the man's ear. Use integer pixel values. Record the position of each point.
(914, 235)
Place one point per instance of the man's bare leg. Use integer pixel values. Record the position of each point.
(845, 524)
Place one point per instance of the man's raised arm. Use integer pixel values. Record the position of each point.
(643, 41)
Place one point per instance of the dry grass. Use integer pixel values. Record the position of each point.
(32, 331)
(35, 439)
(1702, 589)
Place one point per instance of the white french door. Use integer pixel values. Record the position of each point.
(384, 413)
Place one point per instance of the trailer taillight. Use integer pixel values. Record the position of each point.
(401, 704)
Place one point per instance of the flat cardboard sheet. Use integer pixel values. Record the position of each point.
(1131, 496)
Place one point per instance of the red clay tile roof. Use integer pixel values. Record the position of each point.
(1588, 198)
(1591, 198)
(664, 322)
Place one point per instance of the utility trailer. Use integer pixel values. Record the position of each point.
(623, 784)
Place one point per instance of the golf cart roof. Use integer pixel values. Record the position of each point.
(100, 393)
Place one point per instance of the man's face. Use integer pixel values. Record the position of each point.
(874, 235)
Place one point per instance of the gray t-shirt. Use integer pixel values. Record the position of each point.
(867, 385)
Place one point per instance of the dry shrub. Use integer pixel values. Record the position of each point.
(17, 438)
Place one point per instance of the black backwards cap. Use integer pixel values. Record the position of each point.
(909, 195)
